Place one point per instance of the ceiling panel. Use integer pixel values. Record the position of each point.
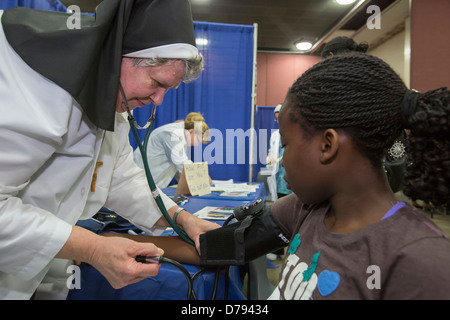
(280, 22)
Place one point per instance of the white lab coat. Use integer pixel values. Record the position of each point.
(166, 153)
(274, 148)
(48, 152)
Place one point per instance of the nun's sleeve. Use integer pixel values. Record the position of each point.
(29, 236)
(129, 193)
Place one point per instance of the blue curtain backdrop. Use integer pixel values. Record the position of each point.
(53, 5)
(222, 94)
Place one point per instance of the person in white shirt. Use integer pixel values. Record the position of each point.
(166, 149)
(64, 148)
(275, 182)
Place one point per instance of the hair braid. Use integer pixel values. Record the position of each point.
(354, 91)
(362, 95)
(428, 176)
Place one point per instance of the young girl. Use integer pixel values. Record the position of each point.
(350, 237)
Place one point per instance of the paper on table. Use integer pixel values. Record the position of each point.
(214, 213)
(217, 182)
(238, 194)
(235, 187)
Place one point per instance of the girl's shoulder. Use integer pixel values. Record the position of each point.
(289, 213)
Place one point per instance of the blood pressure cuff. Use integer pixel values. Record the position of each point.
(241, 242)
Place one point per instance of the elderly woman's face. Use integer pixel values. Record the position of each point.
(143, 85)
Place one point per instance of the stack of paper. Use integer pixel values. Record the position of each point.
(234, 189)
(214, 213)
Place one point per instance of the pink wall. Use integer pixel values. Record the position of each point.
(430, 44)
(276, 72)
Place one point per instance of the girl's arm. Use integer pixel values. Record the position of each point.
(174, 248)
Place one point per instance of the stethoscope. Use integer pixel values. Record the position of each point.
(142, 149)
(155, 193)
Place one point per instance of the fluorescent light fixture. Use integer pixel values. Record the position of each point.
(201, 41)
(345, 2)
(303, 45)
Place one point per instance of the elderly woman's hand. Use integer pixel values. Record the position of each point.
(113, 257)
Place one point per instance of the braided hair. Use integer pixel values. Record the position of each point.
(340, 45)
(362, 95)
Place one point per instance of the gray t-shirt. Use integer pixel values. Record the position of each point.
(405, 256)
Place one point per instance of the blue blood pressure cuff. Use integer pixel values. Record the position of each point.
(238, 243)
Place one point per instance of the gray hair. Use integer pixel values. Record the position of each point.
(193, 66)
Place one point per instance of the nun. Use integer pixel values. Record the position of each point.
(64, 150)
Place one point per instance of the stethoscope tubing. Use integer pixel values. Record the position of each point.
(142, 149)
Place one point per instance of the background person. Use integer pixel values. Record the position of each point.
(276, 182)
(166, 150)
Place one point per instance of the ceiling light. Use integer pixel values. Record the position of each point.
(201, 41)
(345, 2)
(303, 45)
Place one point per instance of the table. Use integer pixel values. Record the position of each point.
(170, 283)
(214, 199)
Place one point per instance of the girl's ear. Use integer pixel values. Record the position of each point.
(329, 146)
